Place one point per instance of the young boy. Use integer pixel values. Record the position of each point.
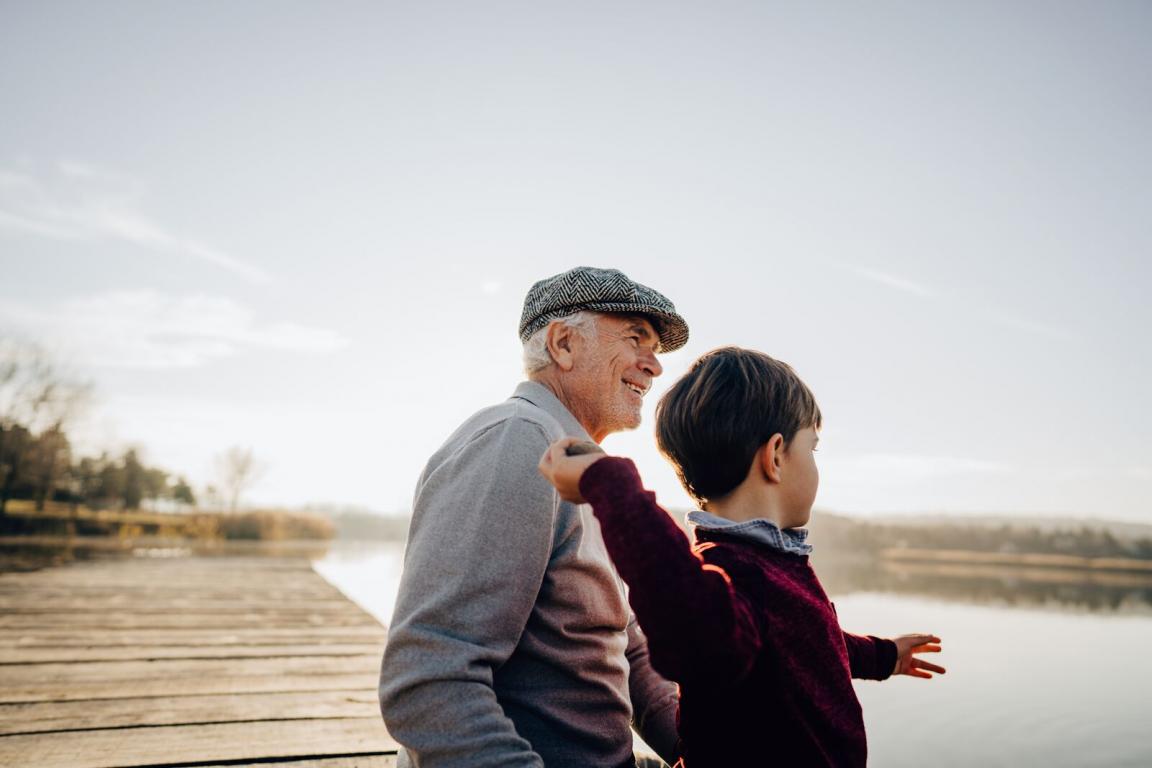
(740, 620)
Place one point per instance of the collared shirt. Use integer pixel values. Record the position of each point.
(791, 541)
(511, 643)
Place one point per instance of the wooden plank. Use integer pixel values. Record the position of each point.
(82, 715)
(158, 580)
(42, 603)
(40, 655)
(63, 638)
(280, 589)
(161, 582)
(371, 761)
(47, 690)
(213, 607)
(366, 761)
(199, 620)
(128, 571)
(34, 607)
(173, 745)
(176, 669)
(283, 589)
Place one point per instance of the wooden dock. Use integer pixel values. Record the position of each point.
(187, 662)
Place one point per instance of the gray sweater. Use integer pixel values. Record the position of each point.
(512, 643)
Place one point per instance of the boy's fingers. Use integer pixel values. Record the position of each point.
(557, 449)
(930, 667)
(581, 447)
(553, 451)
(926, 649)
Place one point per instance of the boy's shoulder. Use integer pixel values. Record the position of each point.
(737, 558)
(748, 564)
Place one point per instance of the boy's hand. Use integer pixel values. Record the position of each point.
(565, 471)
(907, 646)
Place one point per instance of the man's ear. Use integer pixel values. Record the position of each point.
(560, 340)
(770, 456)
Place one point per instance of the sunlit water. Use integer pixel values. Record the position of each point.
(1049, 684)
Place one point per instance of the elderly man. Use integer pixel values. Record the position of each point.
(512, 643)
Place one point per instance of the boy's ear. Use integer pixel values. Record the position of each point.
(770, 458)
(559, 340)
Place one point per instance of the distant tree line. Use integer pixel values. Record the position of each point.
(38, 405)
(865, 537)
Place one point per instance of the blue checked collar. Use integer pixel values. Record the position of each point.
(791, 541)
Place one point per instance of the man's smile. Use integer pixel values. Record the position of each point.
(639, 389)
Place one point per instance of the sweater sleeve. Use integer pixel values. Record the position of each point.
(655, 700)
(697, 624)
(476, 556)
(870, 657)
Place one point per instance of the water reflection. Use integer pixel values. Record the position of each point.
(1048, 588)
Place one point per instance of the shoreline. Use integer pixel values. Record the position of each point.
(1018, 560)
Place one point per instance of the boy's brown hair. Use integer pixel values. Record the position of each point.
(713, 420)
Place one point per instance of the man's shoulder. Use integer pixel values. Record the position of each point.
(516, 427)
(515, 415)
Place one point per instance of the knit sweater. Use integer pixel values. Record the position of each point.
(746, 630)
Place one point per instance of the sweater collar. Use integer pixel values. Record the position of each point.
(791, 541)
(542, 397)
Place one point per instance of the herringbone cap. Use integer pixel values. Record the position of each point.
(600, 290)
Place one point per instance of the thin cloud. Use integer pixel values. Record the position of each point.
(893, 281)
(1016, 322)
(146, 329)
(1034, 327)
(85, 203)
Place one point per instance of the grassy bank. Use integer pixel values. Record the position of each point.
(61, 533)
(22, 519)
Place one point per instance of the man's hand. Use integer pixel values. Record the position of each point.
(565, 471)
(907, 646)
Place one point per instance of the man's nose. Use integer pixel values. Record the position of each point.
(650, 363)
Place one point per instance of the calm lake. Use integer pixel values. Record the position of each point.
(1041, 670)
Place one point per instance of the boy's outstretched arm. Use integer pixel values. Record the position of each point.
(877, 658)
(696, 623)
(907, 646)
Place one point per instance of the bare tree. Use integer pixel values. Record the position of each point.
(36, 400)
(237, 470)
(49, 458)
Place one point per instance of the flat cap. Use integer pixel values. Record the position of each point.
(600, 290)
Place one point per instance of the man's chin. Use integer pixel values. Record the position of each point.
(629, 424)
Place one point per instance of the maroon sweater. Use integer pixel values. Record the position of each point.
(746, 630)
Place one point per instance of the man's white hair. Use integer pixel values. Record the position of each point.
(536, 355)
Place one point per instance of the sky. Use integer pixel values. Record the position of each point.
(308, 228)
